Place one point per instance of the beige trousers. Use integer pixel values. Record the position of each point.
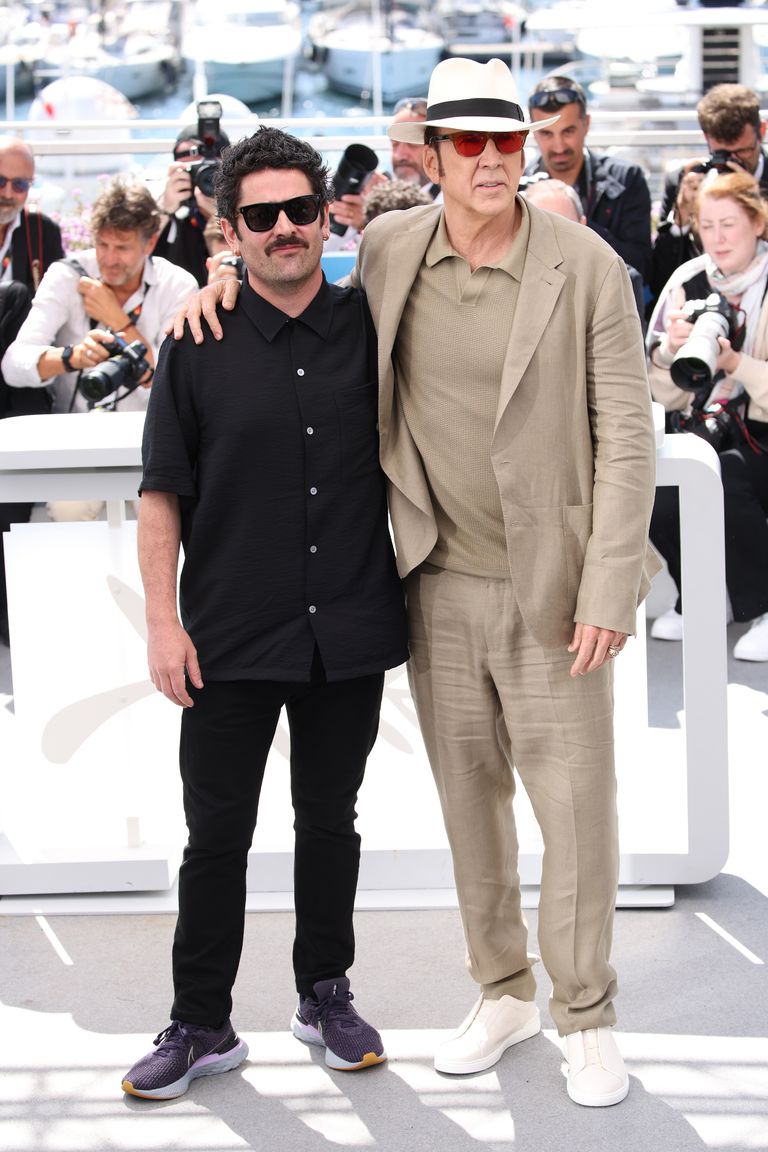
(488, 698)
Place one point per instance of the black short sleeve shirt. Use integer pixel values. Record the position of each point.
(269, 439)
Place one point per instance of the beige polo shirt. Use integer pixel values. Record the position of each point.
(448, 371)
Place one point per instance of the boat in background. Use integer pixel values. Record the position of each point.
(129, 47)
(243, 47)
(382, 50)
(668, 55)
(79, 98)
(479, 28)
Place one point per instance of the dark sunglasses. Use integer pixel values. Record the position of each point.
(18, 183)
(473, 143)
(187, 153)
(300, 210)
(415, 104)
(556, 98)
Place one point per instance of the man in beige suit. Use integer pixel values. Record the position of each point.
(516, 435)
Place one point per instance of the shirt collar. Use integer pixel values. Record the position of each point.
(270, 320)
(9, 233)
(512, 262)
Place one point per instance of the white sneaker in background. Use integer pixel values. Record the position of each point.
(668, 627)
(753, 645)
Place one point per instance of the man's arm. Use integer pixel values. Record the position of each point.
(169, 648)
(56, 307)
(629, 233)
(624, 449)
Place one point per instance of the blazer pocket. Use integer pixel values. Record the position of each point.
(577, 529)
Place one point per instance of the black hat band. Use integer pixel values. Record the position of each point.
(449, 109)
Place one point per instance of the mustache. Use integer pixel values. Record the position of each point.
(286, 242)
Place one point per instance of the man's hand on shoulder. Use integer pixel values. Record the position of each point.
(203, 303)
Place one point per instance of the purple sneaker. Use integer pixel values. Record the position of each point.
(182, 1053)
(332, 1022)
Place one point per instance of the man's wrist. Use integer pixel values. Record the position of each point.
(66, 358)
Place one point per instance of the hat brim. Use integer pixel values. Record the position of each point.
(412, 131)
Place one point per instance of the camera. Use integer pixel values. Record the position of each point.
(203, 175)
(693, 367)
(355, 166)
(125, 367)
(203, 172)
(233, 261)
(720, 161)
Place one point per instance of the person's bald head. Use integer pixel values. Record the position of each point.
(17, 171)
(556, 196)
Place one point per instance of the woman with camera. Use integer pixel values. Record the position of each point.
(708, 365)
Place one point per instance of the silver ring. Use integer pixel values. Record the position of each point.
(613, 651)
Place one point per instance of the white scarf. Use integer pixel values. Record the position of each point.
(748, 286)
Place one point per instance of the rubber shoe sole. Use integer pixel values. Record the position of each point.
(591, 1100)
(465, 1067)
(310, 1035)
(206, 1066)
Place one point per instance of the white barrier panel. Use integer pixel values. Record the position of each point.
(89, 784)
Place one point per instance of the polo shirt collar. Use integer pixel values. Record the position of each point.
(270, 320)
(512, 262)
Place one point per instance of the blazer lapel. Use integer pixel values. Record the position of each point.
(406, 252)
(540, 288)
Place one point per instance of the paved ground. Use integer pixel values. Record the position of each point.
(82, 995)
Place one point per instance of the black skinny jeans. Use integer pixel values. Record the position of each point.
(745, 496)
(225, 740)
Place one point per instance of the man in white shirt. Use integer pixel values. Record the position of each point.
(116, 287)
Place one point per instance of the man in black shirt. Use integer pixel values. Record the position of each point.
(261, 458)
(29, 243)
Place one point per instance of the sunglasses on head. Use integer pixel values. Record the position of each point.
(555, 98)
(300, 210)
(415, 104)
(473, 143)
(18, 183)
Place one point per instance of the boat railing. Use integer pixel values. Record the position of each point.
(656, 138)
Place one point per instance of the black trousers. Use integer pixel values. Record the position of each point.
(9, 514)
(225, 740)
(745, 496)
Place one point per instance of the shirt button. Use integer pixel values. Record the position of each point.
(313, 491)
(313, 547)
(310, 431)
(299, 371)
(312, 608)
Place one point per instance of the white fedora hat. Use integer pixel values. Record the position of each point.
(470, 97)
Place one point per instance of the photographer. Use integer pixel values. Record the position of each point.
(717, 386)
(729, 117)
(116, 287)
(188, 198)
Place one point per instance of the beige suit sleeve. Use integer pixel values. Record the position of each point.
(619, 403)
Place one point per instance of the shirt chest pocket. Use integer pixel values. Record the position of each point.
(356, 411)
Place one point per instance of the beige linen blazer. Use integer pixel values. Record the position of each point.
(573, 448)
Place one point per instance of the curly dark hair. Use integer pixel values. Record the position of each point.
(126, 206)
(267, 148)
(726, 110)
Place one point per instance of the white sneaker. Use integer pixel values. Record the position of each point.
(595, 1070)
(753, 645)
(668, 627)
(491, 1027)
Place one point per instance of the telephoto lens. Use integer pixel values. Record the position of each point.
(354, 168)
